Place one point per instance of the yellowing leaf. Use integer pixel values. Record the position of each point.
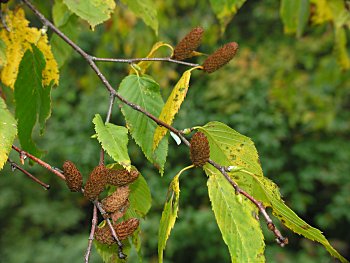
(3, 59)
(235, 217)
(172, 106)
(18, 41)
(143, 65)
(322, 13)
(169, 216)
(341, 48)
(8, 132)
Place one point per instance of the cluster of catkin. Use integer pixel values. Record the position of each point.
(115, 205)
(186, 47)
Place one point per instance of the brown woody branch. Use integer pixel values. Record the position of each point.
(39, 161)
(32, 177)
(91, 61)
(133, 60)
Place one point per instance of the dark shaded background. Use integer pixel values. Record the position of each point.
(288, 94)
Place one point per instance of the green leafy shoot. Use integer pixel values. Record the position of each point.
(144, 91)
(114, 140)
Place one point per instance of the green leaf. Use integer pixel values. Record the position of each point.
(93, 11)
(235, 217)
(228, 147)
(169, 215)
(114, 140)
(172, 106)
(109, 253)
(295, 15)
(33, 101)
(145, 9)
(140, 196)
(8, 132)
(60, 13)
(225, 10)
(144, 91)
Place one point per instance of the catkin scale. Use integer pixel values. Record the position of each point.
(188, 44)
(220, 57)
(74, 179)
(96, 182)
(199, 149)
(116, 200)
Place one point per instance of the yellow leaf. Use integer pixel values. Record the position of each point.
(172, 106)
(143, 65)
(17, 41)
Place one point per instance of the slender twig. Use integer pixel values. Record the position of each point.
(112, 91)
(32, 177)
(92, 233)
(39, 161)
(108, 118)
(133, 60)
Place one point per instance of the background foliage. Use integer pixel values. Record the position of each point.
(289, 94)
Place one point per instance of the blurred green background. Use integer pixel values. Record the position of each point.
(288, 94)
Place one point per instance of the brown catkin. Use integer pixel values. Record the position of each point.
(74, 179)
(121, 177)
(96, 182)
(220, 57)
(126, 228)
(116, 200)
(123, 230)
(104, 235)
(188, 44)
(199, 149)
